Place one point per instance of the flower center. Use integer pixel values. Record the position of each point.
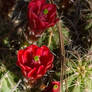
(55, 86)
(45, 11)
(36, 58)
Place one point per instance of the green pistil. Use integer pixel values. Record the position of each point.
(55, 86)
(45, 11)
(36, 58)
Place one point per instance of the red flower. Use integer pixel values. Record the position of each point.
(53, 87)
(34, 61)
(41, 16)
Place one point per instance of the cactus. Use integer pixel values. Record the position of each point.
(7, 83)
(79, 74)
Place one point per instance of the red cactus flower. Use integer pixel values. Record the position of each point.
(53, 87)
(41, 16)
(34, 61)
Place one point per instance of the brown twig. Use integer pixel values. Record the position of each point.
(90, 4)
(62, 54)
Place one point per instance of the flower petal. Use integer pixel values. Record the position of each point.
(19, 56)
(31, 73)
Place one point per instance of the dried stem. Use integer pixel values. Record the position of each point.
(16, 86)
(50, 38)
(62, 54)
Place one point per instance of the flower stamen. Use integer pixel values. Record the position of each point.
(55, 86)
(36, 58)
(45, 11)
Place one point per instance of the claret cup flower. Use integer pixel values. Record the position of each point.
(35, 61)
(53, 87)
(41, 16)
